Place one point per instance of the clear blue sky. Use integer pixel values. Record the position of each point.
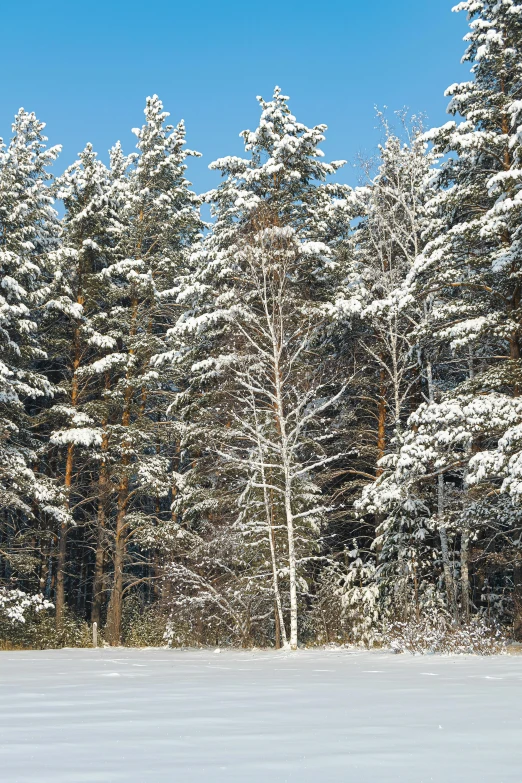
(85, 68)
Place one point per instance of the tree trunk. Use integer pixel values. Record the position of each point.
(517, 600)
(269, 512)
(292, 570)
(103, 495)
(116, 602)
(280, 621)
(285, 455)
(62, 543)
(59, 600)
(97, 589)
(120, 542)
(464, 575)
(381, 423)
(416, 592)
(277, 627)
(444, 546)
(69, 465)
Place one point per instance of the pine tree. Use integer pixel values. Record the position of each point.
(472, 255)
(29, 236)
(78, 342)
(159, 222)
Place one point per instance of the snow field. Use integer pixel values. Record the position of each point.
(158, 716)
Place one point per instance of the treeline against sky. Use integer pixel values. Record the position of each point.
(299, 423)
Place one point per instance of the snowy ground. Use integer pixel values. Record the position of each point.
(152, 716)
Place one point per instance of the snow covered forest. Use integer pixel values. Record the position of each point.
(298, 423)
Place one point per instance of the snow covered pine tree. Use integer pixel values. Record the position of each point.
(160, 221)
(32, 505)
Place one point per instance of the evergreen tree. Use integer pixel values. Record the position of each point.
(29, 237)
(159, 223)
(78, 341)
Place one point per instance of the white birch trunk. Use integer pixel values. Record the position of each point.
(271, 538)
(292, 570)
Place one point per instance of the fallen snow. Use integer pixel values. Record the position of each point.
(158, 716)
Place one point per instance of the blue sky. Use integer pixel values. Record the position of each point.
(86, 68)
